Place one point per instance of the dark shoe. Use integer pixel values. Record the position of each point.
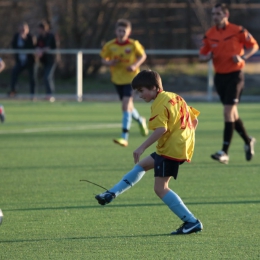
(105, 198)
(220, 156)
(249, 149)
(188, 228)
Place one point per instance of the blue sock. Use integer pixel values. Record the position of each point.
(176, 205)
(129, 180)
(126, 124)
(136, 116)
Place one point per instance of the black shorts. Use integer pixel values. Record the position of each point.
(164, 167)
(124, 90)
(229, 87)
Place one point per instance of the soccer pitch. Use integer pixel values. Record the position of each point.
(46, 148)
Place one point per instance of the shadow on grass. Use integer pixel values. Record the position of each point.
(137, 205)
(80, 238)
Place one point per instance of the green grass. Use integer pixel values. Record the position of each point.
(50, 214)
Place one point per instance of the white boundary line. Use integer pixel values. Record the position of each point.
(59, 129)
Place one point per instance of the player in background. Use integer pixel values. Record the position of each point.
(173, 123)
(2, 113)
(224, 43)
(124, 57)
(23, 40)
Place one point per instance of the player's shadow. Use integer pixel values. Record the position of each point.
(135, 205)
(82, 238)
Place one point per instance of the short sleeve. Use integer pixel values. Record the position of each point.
(105, 52)
(205, 47)
(159, 118)
(139, 49)
(194, 113)
(247, 39)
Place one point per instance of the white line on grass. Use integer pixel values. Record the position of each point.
(60, 129)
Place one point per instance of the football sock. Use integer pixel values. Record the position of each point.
(136, 116)
(176, 205)
(128, 180)
(228, 133)
(126, 123)
(239, 126)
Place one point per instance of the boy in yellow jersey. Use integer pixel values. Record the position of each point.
(124, 57)
(173, 123)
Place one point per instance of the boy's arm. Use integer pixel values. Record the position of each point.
(109, 63)
(140, 60)
(158, 132)
(195, 123)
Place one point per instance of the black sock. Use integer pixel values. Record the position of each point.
(228, 133)
(239, 126)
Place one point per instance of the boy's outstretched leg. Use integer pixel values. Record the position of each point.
(176, 205)
(128, 180)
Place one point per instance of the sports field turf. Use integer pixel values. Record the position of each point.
(49, 214)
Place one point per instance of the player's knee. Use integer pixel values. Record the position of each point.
(158, 190)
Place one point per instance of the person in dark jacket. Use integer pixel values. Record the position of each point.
(22, 40)
(45, 42)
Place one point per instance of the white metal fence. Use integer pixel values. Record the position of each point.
(79, 63)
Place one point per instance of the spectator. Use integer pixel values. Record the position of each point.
(2, 65)
(23, 40)
(46, 41)
(2, 113)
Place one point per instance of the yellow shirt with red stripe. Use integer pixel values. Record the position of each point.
(171, 111)
(224, 43)
(126, 53)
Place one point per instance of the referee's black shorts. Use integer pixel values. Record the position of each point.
(229, 86)
(164, 167)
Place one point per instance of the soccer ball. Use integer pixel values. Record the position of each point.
(1, 216)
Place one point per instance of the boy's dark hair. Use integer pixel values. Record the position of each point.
(223, 7)
(124, 23)
(147, 79)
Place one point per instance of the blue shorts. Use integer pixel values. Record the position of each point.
(124, 90)
(164, 167)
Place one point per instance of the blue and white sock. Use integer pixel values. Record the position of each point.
(129, 180)
(176, 205)
(136, 116)
(126, 124)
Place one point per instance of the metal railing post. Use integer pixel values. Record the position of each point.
(79, 76)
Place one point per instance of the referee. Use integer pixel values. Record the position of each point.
(229, 46)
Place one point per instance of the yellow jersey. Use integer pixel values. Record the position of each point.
(126, 53)
(169, 110)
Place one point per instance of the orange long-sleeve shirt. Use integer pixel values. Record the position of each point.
(224, 43)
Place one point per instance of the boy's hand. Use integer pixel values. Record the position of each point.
(131, 68)
(137, 153)
(112, 62)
